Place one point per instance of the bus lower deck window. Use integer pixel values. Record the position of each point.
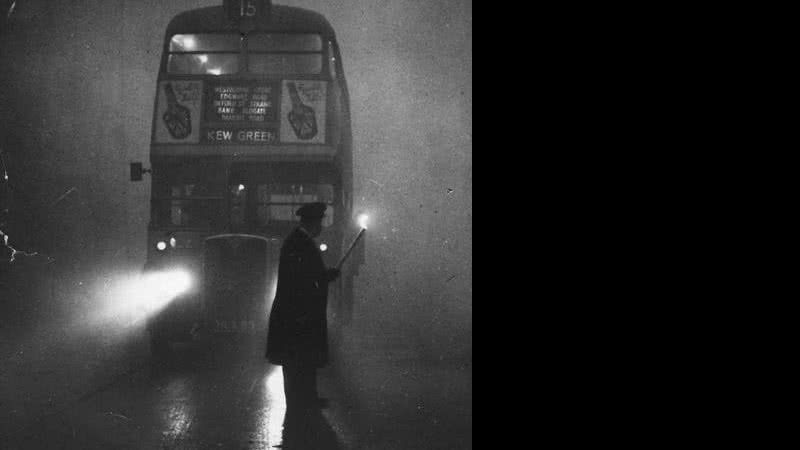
(279, 202)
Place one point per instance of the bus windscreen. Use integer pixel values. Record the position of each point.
(277, 54)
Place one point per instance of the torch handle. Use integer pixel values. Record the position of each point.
(349, 250)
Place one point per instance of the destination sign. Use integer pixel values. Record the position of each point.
(247, 102)
(240, 136)
(242, 10)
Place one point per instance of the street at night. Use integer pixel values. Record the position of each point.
(69, 388)
(236, 224)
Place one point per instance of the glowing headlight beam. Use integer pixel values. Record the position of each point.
(167, 284)
(138, 296)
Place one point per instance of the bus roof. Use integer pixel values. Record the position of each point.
(282, 18)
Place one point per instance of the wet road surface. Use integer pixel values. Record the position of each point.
(221, 400)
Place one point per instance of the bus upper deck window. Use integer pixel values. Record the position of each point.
(276, 64)
(284, 43)
(288, 53)
(204, 43)
(204, 54)
(203, 64)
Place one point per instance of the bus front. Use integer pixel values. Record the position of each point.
(250, 122)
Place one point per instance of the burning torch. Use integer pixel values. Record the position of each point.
(362, 222)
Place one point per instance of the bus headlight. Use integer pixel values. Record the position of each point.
(323, 247)
(168, 284)
(161, 246)
(143, 294)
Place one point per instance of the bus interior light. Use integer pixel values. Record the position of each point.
(188, 43)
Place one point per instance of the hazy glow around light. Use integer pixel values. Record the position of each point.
(363, 219)
(189, 43)
(215, 71)
(323, 247)
(203, 58)
(135, 297)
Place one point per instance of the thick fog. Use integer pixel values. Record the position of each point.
(78, 82)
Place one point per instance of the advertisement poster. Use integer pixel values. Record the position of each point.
(303, 111)
(241, 112)
(240, 101)
(178, 115)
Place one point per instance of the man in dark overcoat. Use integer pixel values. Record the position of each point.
(298, 325)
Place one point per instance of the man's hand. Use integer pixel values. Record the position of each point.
(333, 273)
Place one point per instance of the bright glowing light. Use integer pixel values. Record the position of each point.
(134, 298)
(161, 246)
(272, 426)
(363, 219)
(168, 284)
(172, 242)
(203, 58)
(189, 43)
(241, 187)
(215, 71)
(323, 247)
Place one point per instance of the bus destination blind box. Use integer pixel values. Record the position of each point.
(245, 13)
(137, 171)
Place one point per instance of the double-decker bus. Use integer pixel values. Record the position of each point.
(251, 121)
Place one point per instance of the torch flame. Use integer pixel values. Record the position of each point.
(363, 219)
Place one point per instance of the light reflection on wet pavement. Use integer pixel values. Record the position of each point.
(225, 400)
(381, 399)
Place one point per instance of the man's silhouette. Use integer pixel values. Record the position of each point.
(298, 326)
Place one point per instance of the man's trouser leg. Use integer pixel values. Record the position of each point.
(300, 388)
